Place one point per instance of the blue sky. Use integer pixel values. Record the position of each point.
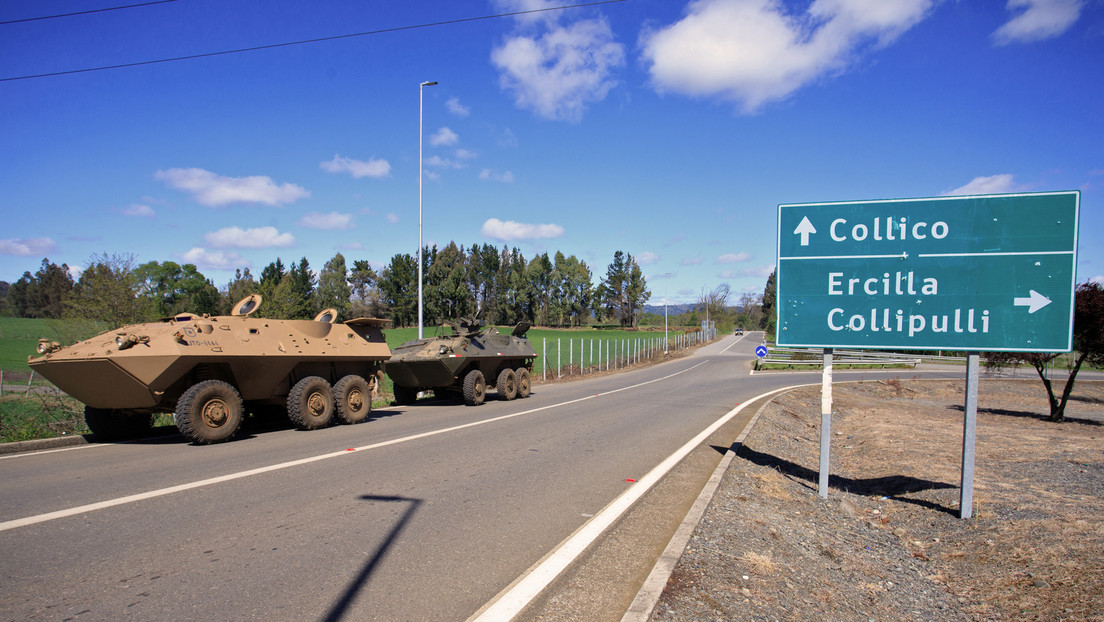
(664, 128)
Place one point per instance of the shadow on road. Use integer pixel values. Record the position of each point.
(349, 595)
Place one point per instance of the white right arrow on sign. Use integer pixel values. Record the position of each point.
(1033, 302)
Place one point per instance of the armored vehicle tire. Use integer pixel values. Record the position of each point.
(475, 388)
(507, 385)
(113, 425)
(209, 412)
(524, 383)
(405, 395)
(310, 404)
(352, 399)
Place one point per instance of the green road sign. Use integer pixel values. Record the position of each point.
(989, 272)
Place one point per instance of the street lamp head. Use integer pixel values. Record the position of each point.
(429, 84)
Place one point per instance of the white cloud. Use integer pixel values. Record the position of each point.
(261, 237)
(333, 220)
(392, 218)
(757, 271)
(691, 261)
(375, 168)
(455, 107)
(558, 73)
(444, 137)
(734, 258)
(139, 210)
(647, 258)
(509, 230)
(1098, 279)
(993, 184)
(1040, 19)
(28, 247)
(218, 260)
(753, 51)
(505, 177)
(537, 10)
(439, 162)
(216, 190)
(507, 138)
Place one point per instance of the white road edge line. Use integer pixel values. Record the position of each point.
(26, 454)
(515, 598)
(92, 507)
(733, 344)
(652, 589)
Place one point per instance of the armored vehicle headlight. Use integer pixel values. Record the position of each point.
(443, 350)
(128, 341)
(45, 346)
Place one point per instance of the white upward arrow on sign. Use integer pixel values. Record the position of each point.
(804, 228)
(1033, 302)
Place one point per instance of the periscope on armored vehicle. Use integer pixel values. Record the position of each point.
(210, 371)
(463, 362)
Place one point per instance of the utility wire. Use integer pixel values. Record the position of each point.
(304, 41)
(114, 8)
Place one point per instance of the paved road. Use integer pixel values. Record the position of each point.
(425, 512)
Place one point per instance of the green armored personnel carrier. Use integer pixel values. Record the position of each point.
(209, 371)
(464, 363)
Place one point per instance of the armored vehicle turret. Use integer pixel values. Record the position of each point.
(210, 371)
(464, 363)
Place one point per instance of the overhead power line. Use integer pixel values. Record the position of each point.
(112, 8)
(305, 41)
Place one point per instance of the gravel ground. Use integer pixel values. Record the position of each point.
(888, 543)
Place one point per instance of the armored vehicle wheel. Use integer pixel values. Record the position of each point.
(310, 404)
(524, 383)
(113, 425)
(405, 395)
(352, 399)
(475, 388)
(506, 385)
(209, 412)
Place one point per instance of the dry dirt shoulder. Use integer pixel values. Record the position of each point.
(888, 544)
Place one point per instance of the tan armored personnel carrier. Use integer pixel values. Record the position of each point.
(464, 363)
(209, 371)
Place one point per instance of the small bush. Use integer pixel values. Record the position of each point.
(36, 415)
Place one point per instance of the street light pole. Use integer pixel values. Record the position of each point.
(421, 90)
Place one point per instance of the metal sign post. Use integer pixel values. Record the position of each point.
(978, 273)
(969, 433)
(825, 423)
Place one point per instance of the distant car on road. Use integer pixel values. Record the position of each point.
(739, 331)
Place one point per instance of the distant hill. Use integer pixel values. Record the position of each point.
(671, 309)
(678, 309)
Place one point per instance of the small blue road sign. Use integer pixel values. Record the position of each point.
(761, 351)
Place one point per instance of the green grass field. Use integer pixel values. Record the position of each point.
(559, 347)
(19, 337)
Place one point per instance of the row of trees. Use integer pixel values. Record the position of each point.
(500, 286)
